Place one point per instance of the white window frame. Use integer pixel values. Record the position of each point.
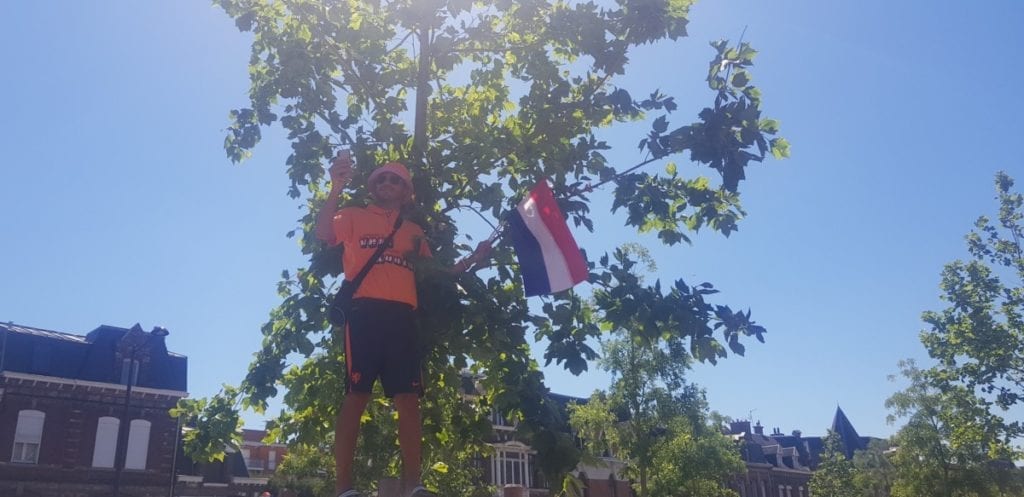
(138, 444)
(104, 451)
(498, 421)
(28, 436)
(505, 463)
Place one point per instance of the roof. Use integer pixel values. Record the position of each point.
(253, 435)
(98, 356)
(847, 434)
(797, 452)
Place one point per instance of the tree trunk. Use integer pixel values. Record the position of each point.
(423, 90)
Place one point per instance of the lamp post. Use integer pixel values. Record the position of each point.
(134, 348)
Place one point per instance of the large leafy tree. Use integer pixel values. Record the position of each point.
(482, 99)
(948, 442)
(978, 340)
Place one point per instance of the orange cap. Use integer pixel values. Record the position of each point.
(395, 168)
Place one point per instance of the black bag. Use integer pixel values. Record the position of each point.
(341, 303)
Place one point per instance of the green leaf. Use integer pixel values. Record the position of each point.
(780, 148)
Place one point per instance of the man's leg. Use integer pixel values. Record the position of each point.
(409, 439)
(346, 432)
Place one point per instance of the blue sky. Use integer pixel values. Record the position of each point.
(119, 206)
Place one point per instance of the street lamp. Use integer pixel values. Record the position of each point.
(134, 348)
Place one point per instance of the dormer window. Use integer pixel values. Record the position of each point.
(129, 371)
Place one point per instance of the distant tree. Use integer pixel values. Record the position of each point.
(306, 470)
(873, 471)
(978, 340)
(654, 419)
(835, 474)
(482, 100)
(949, 440)
(694, 461)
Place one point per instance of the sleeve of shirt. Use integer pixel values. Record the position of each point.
(343, 226)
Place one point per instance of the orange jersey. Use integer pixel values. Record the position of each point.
(362, 230)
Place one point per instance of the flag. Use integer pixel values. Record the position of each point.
(549, 258)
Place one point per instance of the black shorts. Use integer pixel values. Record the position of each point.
(380, 341)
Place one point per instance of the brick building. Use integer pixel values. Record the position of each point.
(87, 416)
(261, 459)
(780, 465)
(84, 416)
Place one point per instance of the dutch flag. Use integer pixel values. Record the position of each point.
(549, 258)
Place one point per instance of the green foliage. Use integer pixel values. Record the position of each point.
(210, 424)
(306, 470)
(873, 471)
(500, 94)
(947, 445)
(655, 421)
(835, 474)
(956, 441)
(979, 339)
(695, 461)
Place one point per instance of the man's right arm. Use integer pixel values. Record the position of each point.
(341, 174)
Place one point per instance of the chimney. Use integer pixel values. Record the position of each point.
(758, 428)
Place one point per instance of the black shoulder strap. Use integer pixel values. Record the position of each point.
(358, 280)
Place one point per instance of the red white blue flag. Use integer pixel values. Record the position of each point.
(549, 258)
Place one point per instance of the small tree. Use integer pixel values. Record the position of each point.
(835, 474)
(651, 416)
(306, 471)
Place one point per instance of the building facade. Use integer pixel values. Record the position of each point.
(87, 416)
(261, 458)
(780, 465)
(84, 416)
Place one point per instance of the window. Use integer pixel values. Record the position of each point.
(272, 460)
(129, 371)
(498, 419)
(28, 435)
(138, 444)
(510, 468)
(106, 442)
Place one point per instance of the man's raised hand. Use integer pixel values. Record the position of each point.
(341, 169)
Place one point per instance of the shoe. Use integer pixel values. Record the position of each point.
(421, 491)
(350, 493)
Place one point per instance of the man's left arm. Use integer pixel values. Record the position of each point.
(481, 254)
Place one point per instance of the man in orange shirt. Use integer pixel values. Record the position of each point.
(380, 333)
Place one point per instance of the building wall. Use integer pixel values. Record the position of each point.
(259, 459)
(64, 467)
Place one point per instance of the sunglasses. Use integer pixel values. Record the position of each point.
(388, 178)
